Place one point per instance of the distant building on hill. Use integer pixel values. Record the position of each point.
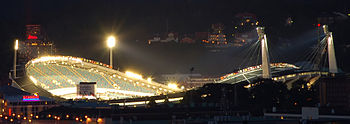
(35, 44)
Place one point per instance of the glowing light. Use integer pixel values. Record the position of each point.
(330, 40)
(143, 102)
(149, 80)
(30, 120)
(99, 120)
(172, 86)
(182, 87)
(111, 41)
(133, 75)
(69, 90)
(24, 118)
(32, 37)
(88, 120)
(16, 45)
(248, 86)
(58, 58)
(31, 98)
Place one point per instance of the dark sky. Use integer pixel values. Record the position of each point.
(79, 28)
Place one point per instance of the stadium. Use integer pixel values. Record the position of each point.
(59, 75)
(279, 72)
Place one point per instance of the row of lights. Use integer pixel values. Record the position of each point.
(19, 117)
(88, 119)
(258, 67)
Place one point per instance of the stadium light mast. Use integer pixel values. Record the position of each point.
(332, 62)
(111, 43)
(15, 60)
(265, 64)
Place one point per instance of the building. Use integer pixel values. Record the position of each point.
(35, 44)
(217, 36)
(170, 37)
(18, 103)
(244, 29)
(335, 92)
(199, 36)
(187, 40)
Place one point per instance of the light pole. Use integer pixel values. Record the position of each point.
(111, 44)
(15, 60)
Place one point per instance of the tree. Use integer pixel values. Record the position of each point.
(266, 93)
(303, 95)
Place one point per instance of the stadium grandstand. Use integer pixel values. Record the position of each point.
(60, 75)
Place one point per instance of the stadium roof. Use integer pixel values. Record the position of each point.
(254, 72)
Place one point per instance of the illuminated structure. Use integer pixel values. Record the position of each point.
(265, 59)
(280, 71)
(111, 44)
(60, 74)
(19, 104)
(331, 54)
(15, 60)
(35, 44)
(254, 72)
(217, 37)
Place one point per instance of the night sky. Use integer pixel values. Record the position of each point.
(80, 27)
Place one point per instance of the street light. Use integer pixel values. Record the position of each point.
(15, 60)
(111, 44)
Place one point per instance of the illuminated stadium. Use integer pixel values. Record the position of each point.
(59, 75)
(254, 72)
(279, 71)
